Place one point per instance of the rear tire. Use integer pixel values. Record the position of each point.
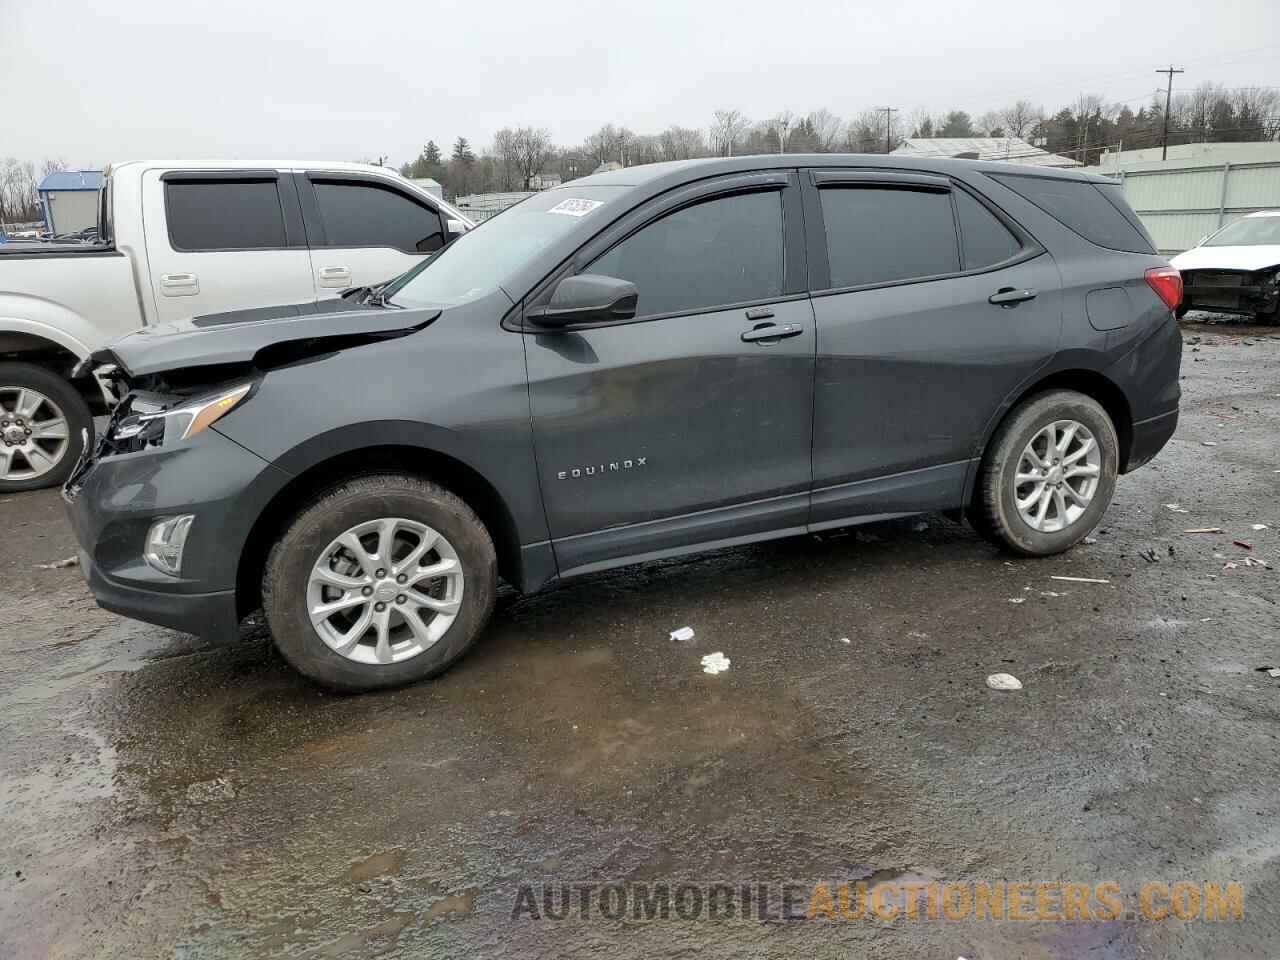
(1270, 318)
(35, 452)
(389, 650)
(1022, 463)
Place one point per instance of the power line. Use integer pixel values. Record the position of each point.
(1168, 97)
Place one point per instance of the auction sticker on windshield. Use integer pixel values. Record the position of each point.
(575, 208)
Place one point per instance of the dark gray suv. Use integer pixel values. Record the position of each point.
(649, 362)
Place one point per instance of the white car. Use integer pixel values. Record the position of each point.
(1236, 269)
(181, 240)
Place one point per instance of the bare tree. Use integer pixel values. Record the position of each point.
(504, 152)
(681, 143)
(609, 144)
(1019, 119)
(865, 133)
(17, 190)
(531, 149)
(727, 130)
(827, 128)
(780, 126)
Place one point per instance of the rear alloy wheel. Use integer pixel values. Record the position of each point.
(1049, 474)
(41, 419)
(382, 581)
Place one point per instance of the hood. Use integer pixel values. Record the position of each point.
(1257, 257)
(260, 337)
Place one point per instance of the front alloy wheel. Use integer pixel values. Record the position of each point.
(385, 590)
(382, 580)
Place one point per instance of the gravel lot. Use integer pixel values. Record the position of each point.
(160, 798)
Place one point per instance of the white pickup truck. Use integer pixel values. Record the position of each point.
(178, 240)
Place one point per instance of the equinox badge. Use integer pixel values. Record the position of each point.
(613, 466)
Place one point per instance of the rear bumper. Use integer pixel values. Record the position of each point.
(1149, 438)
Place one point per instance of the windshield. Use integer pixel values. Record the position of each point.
(1249, 232)
(478, 262)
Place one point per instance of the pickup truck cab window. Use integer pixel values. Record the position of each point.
(224, 215)
(368, 215)
(722, 251)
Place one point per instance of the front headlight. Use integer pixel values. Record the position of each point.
(152, 424)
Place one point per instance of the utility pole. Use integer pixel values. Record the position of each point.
(1168, 99)
(888, 125)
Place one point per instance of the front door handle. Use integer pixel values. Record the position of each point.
(339, 277)
(772, 332)
(1010, 296)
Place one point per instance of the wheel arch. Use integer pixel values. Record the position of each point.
(1092, 384)
(428, 464)
(58, 354)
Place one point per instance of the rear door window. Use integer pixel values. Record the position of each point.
(887, 234)
(1097, 212)
(986, 241)
(224, 215)
(367, 215)
(712, 254)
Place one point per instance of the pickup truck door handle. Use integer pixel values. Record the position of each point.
(1010, 296)
(338, 277)
(179, 284)
(771, 332)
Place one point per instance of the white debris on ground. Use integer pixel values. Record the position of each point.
(684, 634)
(1004, 681)
(1258, 526)
(844, 640)
(714, 663)
(1080, 579)
(59, 564)
(1017, 599)
(1176, 508)
(206, 791)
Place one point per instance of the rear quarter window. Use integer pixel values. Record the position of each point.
(1097, 212)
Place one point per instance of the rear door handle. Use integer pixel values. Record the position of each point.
(179, 284)
(335, 277)
(1010, 296)
(771, 332)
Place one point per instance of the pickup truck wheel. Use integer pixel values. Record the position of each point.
(41, 419)
(382, 581)
(1048, 474)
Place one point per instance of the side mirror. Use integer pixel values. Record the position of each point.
(588, 298)
(456, 227)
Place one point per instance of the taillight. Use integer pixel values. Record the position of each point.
(1167, 283)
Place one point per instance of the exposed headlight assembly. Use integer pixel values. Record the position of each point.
(150, 424)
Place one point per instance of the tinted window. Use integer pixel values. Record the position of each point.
(985, 239)
(1093, 213)
(364, 215)
(224, 214)
(714, 253)
(878, 234)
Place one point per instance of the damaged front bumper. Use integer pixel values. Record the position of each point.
(1231, 291)
(114, 500)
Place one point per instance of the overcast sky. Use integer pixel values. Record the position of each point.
(92, 82)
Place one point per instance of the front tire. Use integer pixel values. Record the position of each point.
(381, 581)
(43, 425)
(1048, 474)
